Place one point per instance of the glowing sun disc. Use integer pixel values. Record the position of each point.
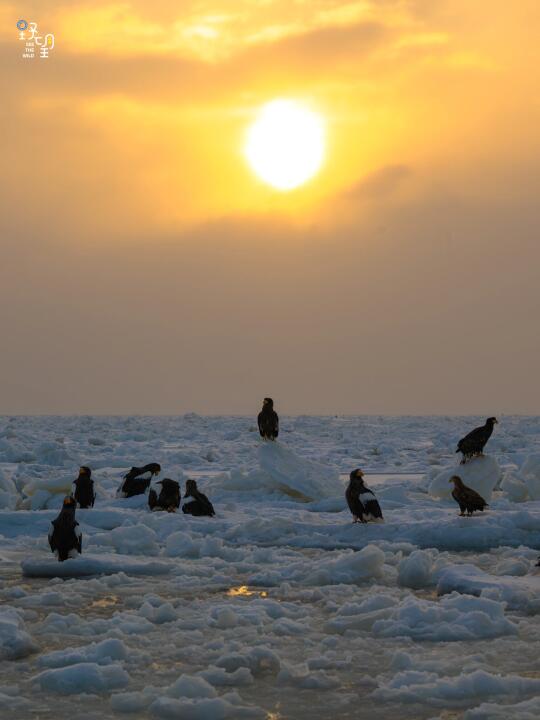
(285, 144)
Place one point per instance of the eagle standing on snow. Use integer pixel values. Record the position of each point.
(473, 443)
(361, 501)
(168, 498)
(134, 484)
(64, 538)
(84, 488)
(268, 420)
(200, 506)
(467, 498)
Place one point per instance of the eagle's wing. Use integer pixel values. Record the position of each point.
(209, 508)
(355, 504)
(478, 436)
(472, 496)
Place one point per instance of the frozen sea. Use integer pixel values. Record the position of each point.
(279, 607)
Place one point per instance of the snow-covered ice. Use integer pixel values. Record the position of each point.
(279, 607)
(518, 593)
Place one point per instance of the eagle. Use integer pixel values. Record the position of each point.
(362, 503)
(168, 498)
(473, 443)
(467, 498)
(84, 488)
(64, 538)
(268, 420)
(134, 484)
(200, 505)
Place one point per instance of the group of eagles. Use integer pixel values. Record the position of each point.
(65, 539)
(472, 445)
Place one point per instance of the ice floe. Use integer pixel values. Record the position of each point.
(518, 593)
(88, 564)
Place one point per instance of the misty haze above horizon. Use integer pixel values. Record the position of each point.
(145, 270)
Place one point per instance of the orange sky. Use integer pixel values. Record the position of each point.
(148, 270)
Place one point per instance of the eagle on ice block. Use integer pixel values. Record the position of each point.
(268, 420)
(473, 443)
(64, 537)
(133, 482)
(84, 488)
(362, 503)
(467, 498)
(169, 497)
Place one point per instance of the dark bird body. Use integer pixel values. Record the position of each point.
(84, 488)
(474, 443)
(200, 505)
(467, 498)
(362, 503)
(168, 498)
(133, 484)
(64, 538)
(268, 420)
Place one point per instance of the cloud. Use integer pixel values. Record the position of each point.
(379, 183)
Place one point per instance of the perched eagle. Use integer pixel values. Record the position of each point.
(467, 498)
(134, 484)
(200, 505)
(473, 443)
(64, 538)
(84, 488)
(361, 501)
(168, 498)
(268, 420)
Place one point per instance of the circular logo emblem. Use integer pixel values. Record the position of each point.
(22, 24)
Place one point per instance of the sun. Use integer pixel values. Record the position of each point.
(285, 144)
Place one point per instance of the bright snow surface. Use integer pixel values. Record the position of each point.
(280, 606)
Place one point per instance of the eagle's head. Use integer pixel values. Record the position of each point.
(168, 483)
(357, 477)
(458, 482)
(191, 487)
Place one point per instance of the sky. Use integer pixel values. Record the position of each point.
(146, 269)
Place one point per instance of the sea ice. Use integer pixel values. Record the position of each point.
(92, 565)
(518, 593)
(530, 472)
(85, 677)
(412, 686)
(102, 653)
(15, 642)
